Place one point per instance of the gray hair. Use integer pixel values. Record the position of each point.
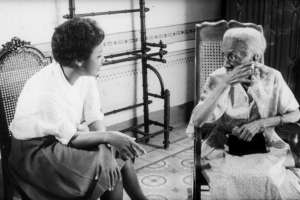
(253, 38)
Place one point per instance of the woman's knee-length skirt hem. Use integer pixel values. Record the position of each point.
(46, 169)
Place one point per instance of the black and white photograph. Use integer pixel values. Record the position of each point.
(149, 99)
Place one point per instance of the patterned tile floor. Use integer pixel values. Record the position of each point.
(168, 177)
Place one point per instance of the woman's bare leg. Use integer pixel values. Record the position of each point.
(116, 194)
(131, 182)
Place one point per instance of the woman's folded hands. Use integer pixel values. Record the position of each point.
(247, 131)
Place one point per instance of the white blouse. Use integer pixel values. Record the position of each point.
(49, 105)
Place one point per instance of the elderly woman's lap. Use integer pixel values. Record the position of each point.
(260, 176)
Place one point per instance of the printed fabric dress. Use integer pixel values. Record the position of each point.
(270, 175)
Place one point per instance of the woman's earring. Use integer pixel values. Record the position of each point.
(79, 63)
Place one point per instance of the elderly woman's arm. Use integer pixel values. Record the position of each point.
(202, 112)
(289, 117)
(248, 131)
(240, 73)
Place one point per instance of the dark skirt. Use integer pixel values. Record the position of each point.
(46, 169)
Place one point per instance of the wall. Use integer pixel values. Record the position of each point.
(171, 21)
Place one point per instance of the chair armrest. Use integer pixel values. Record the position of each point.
(285, 130)
(294, 138)
(295, 127)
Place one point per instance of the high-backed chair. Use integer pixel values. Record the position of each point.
(18, 62)
(208, 58)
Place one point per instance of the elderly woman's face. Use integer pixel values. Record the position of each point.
(235, 53)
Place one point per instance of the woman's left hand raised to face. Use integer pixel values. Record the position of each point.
(241, 74)
(247, 131)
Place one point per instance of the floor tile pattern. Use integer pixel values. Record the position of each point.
(169, 178)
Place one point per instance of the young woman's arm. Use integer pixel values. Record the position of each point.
(106, 158)
(98, 135)
(98, 125)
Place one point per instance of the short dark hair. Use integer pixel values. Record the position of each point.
(75, 39)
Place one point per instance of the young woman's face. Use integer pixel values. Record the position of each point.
(235, 53)
(91, 66)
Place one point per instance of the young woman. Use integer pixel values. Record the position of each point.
(247, 100)
(52, 155)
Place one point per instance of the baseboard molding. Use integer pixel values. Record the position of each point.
(179, 115)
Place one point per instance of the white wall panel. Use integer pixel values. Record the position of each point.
(34, 20)
(162, 12)
(30, 20)
(120, 85)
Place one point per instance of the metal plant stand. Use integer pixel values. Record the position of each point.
(140, 54)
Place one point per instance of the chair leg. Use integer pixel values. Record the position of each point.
(8, 184)
(197, 165)
(21, 193)
(11, 186)
(8, 191)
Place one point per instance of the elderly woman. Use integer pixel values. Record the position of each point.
(53, 156)
(243, 157)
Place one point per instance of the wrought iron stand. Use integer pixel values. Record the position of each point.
(140, 54)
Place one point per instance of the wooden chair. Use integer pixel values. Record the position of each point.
(18, 62)
(208, 58)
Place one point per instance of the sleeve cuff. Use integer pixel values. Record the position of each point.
(68, 130)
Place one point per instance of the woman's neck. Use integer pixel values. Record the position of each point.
(71, 74)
